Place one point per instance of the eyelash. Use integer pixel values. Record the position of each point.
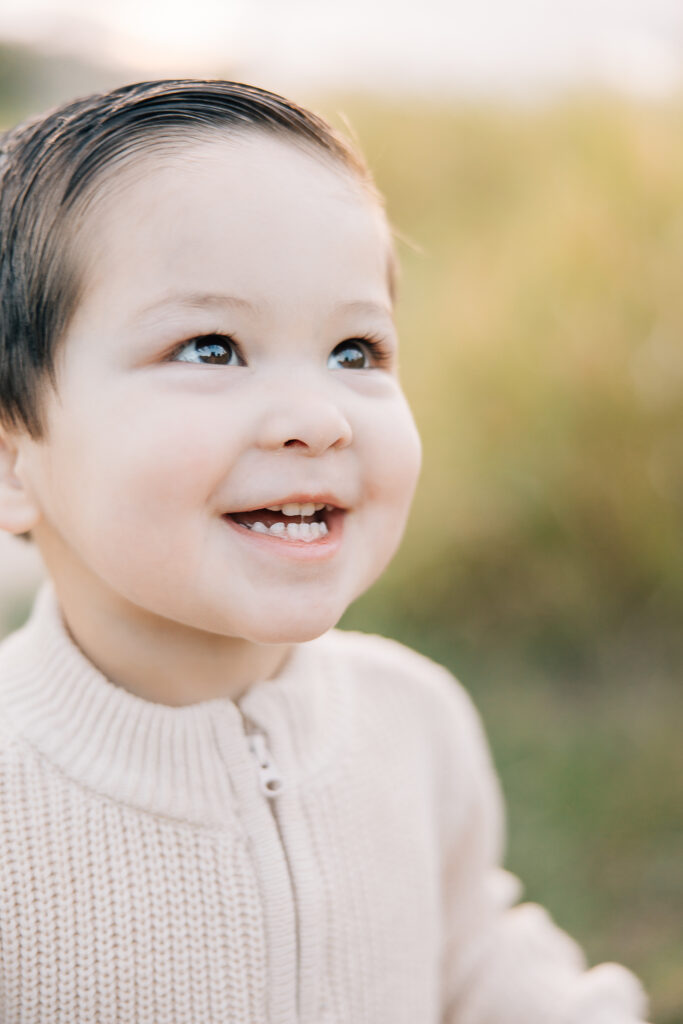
(379, 352)
(204, 337)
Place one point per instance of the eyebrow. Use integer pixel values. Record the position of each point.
(363, 306)
(194, 300)
(200, 300)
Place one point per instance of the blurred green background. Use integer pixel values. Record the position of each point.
(541, 315)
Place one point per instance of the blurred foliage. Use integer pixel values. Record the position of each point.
(541, 324)
(32, 81)
(541, 316)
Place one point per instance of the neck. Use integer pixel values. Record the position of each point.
(162, 661)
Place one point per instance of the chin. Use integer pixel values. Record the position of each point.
(291, 629)
(298, 634)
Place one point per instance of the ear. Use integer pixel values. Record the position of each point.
(19, 511)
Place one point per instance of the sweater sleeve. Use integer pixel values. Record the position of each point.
(503, 962)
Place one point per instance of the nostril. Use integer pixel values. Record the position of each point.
(288, 444)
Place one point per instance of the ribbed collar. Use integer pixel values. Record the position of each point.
(173, 761)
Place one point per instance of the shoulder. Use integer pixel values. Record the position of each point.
(415, 710)
(381, 654)
(10, 680)
(13, 752)
(404, 683)
(381, 661)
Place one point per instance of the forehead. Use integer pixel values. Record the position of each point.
(253, 211)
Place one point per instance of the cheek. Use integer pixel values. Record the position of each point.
(393, 470)
(131, 476)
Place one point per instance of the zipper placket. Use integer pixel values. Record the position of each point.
(271, 784)
(270, 779)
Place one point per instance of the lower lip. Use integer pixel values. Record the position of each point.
(298, 550)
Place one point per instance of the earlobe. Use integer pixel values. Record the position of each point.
(18, 510)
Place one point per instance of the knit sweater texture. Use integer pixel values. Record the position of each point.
(325, 850)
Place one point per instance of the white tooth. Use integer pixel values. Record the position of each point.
(329, 507)
(319, 507)
(323, 529)
(307, 509)
(292, 508)
(293, 530)
(259, 527)
(314, 529)
(274, 508)
(305, 531)
(278, 529)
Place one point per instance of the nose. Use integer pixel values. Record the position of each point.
(304, 418)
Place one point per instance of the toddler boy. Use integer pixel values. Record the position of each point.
(214, 807)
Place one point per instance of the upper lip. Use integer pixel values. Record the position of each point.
(298, 498)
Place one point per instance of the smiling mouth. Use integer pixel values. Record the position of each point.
(307, 522)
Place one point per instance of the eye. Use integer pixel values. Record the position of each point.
(209, 349)
(357, 354)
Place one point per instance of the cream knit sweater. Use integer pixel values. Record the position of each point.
(324, 851)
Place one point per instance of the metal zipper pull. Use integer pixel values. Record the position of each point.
(270, 780)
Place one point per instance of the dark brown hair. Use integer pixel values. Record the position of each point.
(51, 167)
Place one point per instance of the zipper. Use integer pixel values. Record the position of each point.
(271, 784)
(270, 779)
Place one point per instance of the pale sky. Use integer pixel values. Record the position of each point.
(509, 47)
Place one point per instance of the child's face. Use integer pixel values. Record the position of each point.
(150, 458)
